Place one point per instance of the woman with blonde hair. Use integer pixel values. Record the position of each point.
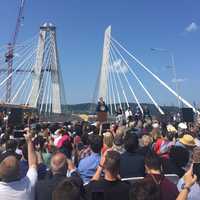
(107, 141)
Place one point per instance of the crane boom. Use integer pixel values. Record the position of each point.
(11, 47)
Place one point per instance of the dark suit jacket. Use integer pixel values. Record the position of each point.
(45, 188)
(132, 165)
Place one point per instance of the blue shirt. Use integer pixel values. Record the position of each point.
(179, 144)
(195, 190)
(88, 165)
(24, 169)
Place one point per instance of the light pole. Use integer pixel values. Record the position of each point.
(173, 66)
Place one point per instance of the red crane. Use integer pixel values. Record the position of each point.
(11, 47)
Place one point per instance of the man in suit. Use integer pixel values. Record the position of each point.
(60, 166)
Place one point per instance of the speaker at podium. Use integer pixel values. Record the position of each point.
(102, 111)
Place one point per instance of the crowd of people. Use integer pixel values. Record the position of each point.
(129, 159)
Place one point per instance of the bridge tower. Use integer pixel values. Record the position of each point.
(103, 79)
(47, 39)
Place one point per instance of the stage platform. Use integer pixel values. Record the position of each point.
(10, 106)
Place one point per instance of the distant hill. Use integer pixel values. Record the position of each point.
(88, 108)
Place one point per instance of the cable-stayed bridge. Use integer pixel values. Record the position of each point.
(36, 79)
(119, 82)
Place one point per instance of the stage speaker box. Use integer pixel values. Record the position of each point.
(15, 117)
(187, 115)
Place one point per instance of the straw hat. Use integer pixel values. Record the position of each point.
(188, 140)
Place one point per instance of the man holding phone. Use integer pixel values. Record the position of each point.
(10, 180)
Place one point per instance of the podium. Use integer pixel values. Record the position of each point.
(102, 116)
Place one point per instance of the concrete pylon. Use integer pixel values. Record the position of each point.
(47, 37)
(105, 65)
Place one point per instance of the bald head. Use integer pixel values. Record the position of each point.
(9, 169)
(59, 163)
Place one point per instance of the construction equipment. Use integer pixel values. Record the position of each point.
(11, 47)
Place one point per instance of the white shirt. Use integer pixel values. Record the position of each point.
(128, 113)
(194, 190)
(23, 189)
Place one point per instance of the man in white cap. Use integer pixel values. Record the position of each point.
(182, 127)
(12, 187)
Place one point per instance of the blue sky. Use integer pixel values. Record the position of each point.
(138, 24)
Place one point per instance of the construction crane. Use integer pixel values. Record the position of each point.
(11, 47)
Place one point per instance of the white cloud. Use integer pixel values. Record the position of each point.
(179, 80)
(119, 66)
(192, 27)
(17, 55)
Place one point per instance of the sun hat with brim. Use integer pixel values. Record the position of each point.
(188, 140)
(7, 153)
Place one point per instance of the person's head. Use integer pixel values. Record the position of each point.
(179, 156)
(4, 138)
(131, 141)
(11, 145)
(152, 163)
(112, 163)
(118, 144)
(120, 130)
(188, 141)
(39, 142)
(118, 140)
(66, 148)
(166, 132)
(96, 143)
(132, 124)
(156, 126)
(108, 139)
(101, 99)
(9, 130)
(146, 140)
(66, 190)
(170, 136)
(145, 189)
(155, 134)
(9, 169)
(59, 163)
